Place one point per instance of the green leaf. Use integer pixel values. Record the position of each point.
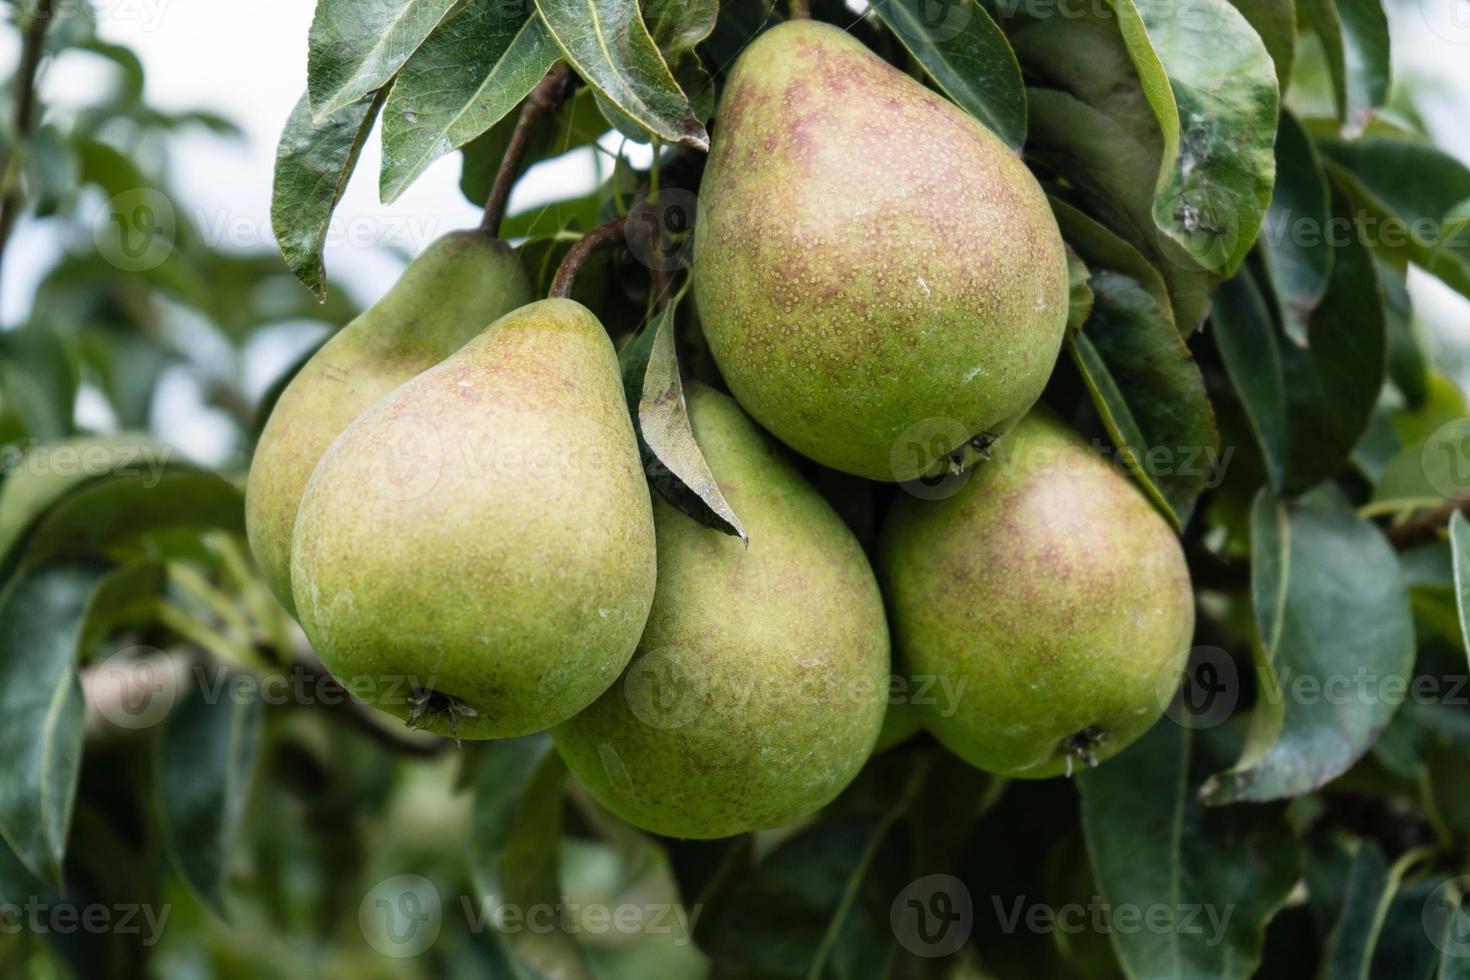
(47, 472)
(1415, 197)
(1213, 89)
(516, 841)
(1149, 392)
(356, 46)
(675, 464)
(970, 60)
(1460, 549)
(1275, 22)
(1100, 247)
(48, 617)
(819, 903)
(106, 513)
(205, 760)
(467, 76)
(1335, 634)
(314, 161)
(609, 45)
(1308, 406)
(1454, 964)
(1095, 129)
(1297, 248)
(1165, 849)
(1353, 949)
(38, 379)
(1354, 35)
(1079, 293)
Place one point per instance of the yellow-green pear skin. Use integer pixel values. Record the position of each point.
(458, 286)
(875, 270)
(761, 682)
(1050, 598)
(475, 553)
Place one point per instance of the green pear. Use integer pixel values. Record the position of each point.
(459, 285)
(1047, 597)
(475, 553)
(880, 278)
(760, 685)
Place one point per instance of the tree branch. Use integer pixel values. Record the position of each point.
(544, 100)
(603, 236)
(32, 48)
(1424, 528)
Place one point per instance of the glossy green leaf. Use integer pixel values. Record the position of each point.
(1213, 89)
(1460, 548)
(314, 161)
(609, 45)
(674, 462)
(819, 903)
(1295, 242)
(516, 835)
(1415, 198)
(1369, 926)
(1149, 392)
(1335, 636)
(1275, 22)
(1354, 36)
(1099, 246)
(105, 513)
(48, 617)
(356, 46)
(1228, 869)
(1308, 406)
(968, 57)
(1095, 128)
(469, 74)
(43, 475)
(204, 764)
(577, 124)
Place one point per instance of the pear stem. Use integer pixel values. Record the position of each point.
(603, 236)
(801, 9)
(544, 100)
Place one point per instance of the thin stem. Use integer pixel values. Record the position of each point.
(1425, 527)
(543, 101)
(801, 9)
(32, 47)
(603, 236)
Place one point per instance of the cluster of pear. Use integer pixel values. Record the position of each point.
(465, 508)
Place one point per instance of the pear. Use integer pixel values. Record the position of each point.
(475, 553)
(448, 294)
(1048, 595)
(760, 685)
(880, 278)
